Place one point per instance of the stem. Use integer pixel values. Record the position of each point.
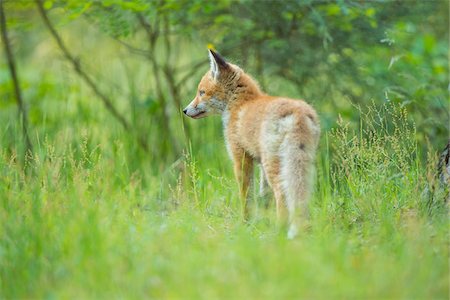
(15, 78)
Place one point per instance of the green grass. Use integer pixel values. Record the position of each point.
(79, 222)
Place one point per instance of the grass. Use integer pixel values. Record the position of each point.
(77, 222)
(88, 215)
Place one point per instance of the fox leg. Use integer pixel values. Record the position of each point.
(272, 172)
(243, 170)
(262, 181)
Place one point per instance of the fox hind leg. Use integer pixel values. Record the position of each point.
(272, 171)
(262, 182)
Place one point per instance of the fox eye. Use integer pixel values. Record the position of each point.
(201, 93)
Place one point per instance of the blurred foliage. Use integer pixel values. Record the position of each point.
(336, 54)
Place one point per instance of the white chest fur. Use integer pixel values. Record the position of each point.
(225, 121)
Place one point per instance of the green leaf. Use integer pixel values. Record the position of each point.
(48, 4)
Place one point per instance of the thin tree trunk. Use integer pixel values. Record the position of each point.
(175, 93)
(152, 36)
(87, 79)
(77, 67)
(15, 78)
(168, 72)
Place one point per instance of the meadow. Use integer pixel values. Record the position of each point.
(88, 214)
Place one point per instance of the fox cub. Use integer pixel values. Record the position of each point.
(279, 133)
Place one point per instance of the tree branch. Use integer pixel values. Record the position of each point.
(15, 78)
(77, 67)
(152, 36)
(131, 48)
(194, 69)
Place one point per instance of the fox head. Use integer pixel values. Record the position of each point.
(220, 86)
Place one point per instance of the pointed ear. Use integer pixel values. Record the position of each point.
(218, 64)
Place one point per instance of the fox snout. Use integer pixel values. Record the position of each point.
(195, 110)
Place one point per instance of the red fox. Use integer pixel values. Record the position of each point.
(279, 133)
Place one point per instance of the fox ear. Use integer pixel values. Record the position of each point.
(218, 64)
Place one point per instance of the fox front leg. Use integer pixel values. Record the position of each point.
(243, 170)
